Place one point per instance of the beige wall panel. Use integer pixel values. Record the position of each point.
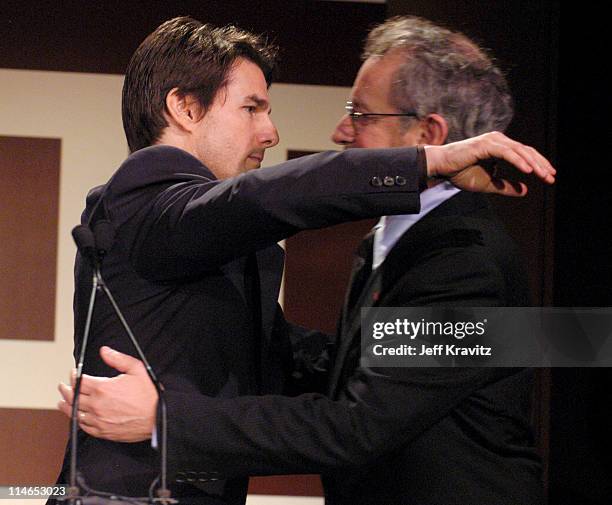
(254, 499)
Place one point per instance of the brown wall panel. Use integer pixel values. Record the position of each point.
(317, 272)
(289, 485)
(29, 198)
(33, 443)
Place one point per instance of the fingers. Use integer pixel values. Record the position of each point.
(507, 188)
(89, 386)
(456, 161)
(65, 408)
(86, 402)
(89, 383)
(525, 158)
(477, 178)
(66, 392)
(514, 153)
(528, 160)
(121, 362)
(87, 422)
(544, 169)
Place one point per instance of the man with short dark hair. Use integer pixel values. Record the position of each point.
(195, 59)
(196, 269)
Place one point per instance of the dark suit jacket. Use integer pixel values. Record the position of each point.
(196, 270)
(422, 436)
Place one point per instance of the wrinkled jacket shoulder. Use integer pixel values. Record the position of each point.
(156, 163)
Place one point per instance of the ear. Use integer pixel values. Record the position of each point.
(183, 110)
(433, 130)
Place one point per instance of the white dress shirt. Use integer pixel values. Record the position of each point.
(389, 229)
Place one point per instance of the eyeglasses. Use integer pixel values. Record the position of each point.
(360, 118)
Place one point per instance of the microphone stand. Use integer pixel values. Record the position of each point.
(102, 237)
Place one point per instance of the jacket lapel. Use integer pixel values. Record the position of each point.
(360, 277)
(371, 291)
(359, 287)
(269, 263)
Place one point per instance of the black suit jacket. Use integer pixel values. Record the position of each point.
(196, 270)
(433, 436)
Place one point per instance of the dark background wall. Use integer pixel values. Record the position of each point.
(581, 402)
(553, 58)
(100, 36)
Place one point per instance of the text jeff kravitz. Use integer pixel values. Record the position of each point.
(434, 350)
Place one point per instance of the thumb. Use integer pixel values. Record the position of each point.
(122, 362)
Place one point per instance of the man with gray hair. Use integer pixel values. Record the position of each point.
(426, 436)
(423, 84)
(445, 73)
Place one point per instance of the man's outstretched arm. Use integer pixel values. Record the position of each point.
(310, 192)
(305, 434)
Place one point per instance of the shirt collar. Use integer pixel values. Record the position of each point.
(389, 229)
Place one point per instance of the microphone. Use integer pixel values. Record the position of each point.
(95, 245)
(104, 235)
(85, 240)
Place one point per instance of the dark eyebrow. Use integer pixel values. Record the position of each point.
(262, 103)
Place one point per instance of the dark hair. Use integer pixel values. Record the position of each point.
(443, 72)
(183, 53)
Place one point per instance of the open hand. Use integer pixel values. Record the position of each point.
(120, 408)
(458, 162)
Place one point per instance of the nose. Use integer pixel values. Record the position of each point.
(268, 134)
(344, 134)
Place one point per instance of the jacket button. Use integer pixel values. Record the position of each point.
(400, 181)
(389, 181)
(376, 182)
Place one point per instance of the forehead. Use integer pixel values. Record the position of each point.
(374, 79)
(246, 79)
